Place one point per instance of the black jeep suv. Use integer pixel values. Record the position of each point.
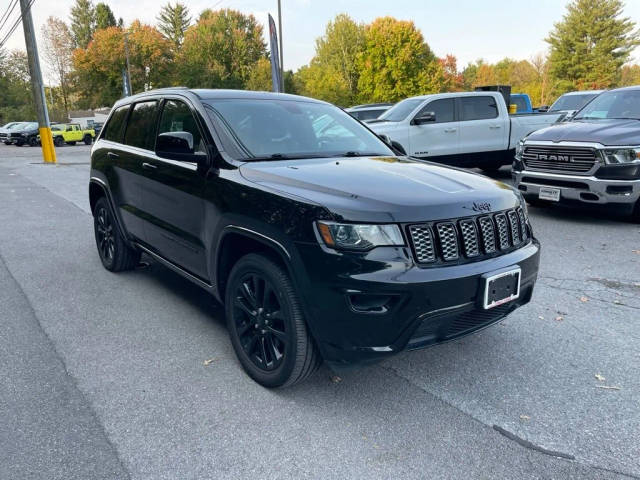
(321, 242)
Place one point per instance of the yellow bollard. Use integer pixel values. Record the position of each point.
(46, 140)
(513, 108)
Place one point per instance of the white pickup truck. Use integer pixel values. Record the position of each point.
(466, 129)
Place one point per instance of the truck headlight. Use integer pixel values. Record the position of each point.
(350, 236)
(622, 155)
(519, 150)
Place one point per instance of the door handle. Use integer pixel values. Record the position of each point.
(149, 166)
(494, 127)
(112, 156)
(449, 130)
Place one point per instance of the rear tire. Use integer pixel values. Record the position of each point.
(115, 254)
(266, 324)
(87, 140)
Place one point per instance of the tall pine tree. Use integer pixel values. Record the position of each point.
(104, 16)
(83, 22)
(590, 44)
(173, 21)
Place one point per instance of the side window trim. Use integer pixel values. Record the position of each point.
(120, 137)
(132, 107)
(456, 117)
(460, 109)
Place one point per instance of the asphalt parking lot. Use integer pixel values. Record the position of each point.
(133, 376)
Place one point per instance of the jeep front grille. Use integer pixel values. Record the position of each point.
(577, 160)
(469, 238)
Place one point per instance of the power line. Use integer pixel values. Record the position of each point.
(15, 25)
(7, 13)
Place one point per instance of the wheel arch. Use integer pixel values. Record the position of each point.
(98, 189)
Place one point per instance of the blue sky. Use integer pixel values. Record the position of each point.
(468, 29)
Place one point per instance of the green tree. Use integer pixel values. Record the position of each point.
(83, 22)
(590, 44)
(16, 100)
(104, 16)
(630, 75)
(334, 72)
(397, 63)
(57, 49)
(173, 21)
(220, 50)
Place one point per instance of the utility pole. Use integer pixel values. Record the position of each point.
(280, 49)
(126, 54)
(48, 152)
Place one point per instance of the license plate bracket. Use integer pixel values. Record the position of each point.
(547, 193)
(501, 287)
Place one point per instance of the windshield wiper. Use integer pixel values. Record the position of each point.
(353, 153)
(283, 156)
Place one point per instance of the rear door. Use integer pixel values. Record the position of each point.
(437, 138)
(122, 172)
(172, 195)
(481, 128)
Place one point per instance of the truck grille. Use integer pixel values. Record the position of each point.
(468, 238)
(559, 159)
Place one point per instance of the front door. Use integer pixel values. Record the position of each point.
(172, 197)
(439, 137)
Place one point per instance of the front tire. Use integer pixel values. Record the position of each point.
(33, 142)
(266, 324)
(58, 141)
(115, 254)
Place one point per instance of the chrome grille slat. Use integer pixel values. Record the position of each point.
(582, 160)
(503, 231)
(469, 238)
(448, 240)
(488, 234)
(422, 240)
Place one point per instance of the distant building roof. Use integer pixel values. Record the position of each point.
(81, 113)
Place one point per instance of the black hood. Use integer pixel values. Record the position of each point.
(383, 189)
(606, 132)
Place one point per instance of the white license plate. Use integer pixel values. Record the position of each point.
(552, 194)
(501, 288)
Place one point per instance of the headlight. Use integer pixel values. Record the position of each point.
(622, 155)
(359, 237)
(24, 134)
(519, 149)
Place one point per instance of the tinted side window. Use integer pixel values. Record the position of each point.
(443, 108)
(113, 130)
(141, 125)
(520, 104)
(177, 117)
(478, 108)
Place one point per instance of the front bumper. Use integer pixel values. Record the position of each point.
(576, 188)
(422, 306)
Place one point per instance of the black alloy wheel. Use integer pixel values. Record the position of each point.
(266, 324)
(259, 322)
(104, 235)
(58, 141)
(33, 142)
(114, 252)
(87, 139)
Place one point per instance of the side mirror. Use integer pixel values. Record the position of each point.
(180, 146)
(384, 138)
(425, 117)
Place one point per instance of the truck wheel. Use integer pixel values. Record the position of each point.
(115, 254)
(58, 141)
(33, 142)
(19, 143)
(87, 139)
(491, 168)
(71, 143)
(266, 325)
(7, 143)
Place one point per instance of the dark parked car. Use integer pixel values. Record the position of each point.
(25, 133)
(318, 239)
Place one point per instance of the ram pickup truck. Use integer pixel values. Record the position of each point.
(25, 133)
(70, 133)
(321, 242)
(594, 159)
(467, 129)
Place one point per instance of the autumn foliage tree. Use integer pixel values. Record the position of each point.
(396, 62)
(57, 48)
(220, 50)
(98, 68)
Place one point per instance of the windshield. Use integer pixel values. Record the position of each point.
(401, 110)
(620, 104)
(294, 129)
(57, 128)
(571, 102)
(16, 126)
